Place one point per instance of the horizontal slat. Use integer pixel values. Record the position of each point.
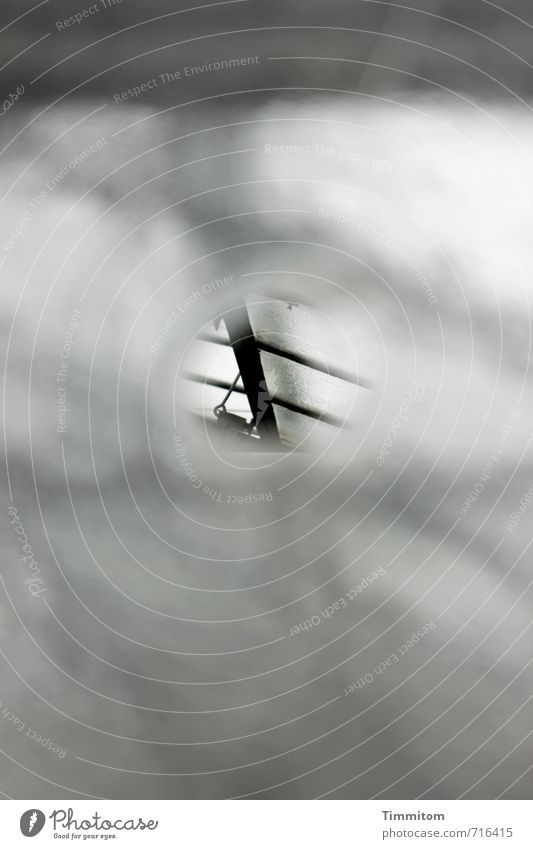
(335, 421)
(296, 358)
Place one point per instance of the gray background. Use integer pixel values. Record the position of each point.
(159, 656)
